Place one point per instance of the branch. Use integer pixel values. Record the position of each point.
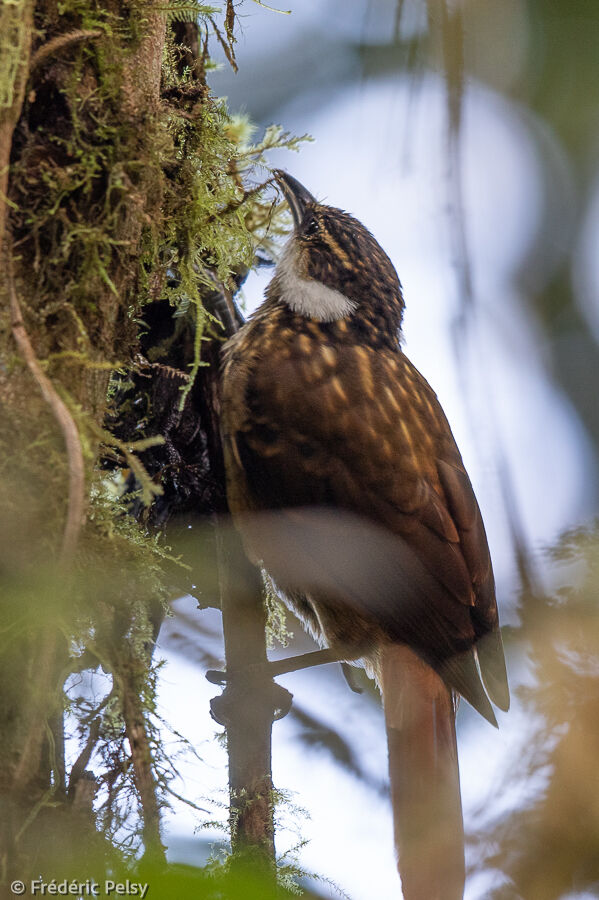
(31, 744)
(141, 757)
(246, 708)
(64, 418)
(58, 43)
(227, 45)
(80, 765)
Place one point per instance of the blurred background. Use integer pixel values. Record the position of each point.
(465, 136)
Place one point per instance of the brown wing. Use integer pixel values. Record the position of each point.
(352, 428)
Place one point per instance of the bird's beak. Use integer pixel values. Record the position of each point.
(295, 193)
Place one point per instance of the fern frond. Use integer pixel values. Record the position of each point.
(187, 11)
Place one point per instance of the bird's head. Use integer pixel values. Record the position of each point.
(332, 266)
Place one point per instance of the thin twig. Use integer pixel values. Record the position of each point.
(225, 44)
(452, 25)
(58, 43)
(284, 12)
(141, 758)
(80, 764)
(63, 417)
(397, 23)
(185, 800)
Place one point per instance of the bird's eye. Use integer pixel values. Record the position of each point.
(312, 226)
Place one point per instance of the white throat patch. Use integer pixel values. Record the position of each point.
(310, 298)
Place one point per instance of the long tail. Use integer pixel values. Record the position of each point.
(425, 782)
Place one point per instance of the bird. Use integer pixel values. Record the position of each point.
(321, 409)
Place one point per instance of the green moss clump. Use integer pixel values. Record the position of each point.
(113, 208)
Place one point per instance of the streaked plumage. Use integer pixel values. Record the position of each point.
(321, 407)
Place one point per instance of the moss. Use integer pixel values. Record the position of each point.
(112, 211)
(277, 630)
(12, 40)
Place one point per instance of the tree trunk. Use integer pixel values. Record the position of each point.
(70, 257)
(120, 227)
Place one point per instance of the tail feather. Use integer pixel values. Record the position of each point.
(424, 776)
(462, 674)
(492, 667)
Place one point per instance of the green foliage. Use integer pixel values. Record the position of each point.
(187, 11)
(212, 225)
(182, 882)
(289, 821)
(74, 200)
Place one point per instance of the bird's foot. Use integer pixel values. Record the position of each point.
(272, 669)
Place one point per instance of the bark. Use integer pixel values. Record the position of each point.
(246, 708)
(36, 134)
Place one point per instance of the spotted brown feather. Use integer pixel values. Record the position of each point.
(322, 409)
(333, 413)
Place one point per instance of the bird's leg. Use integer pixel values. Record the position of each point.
(279, 666)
